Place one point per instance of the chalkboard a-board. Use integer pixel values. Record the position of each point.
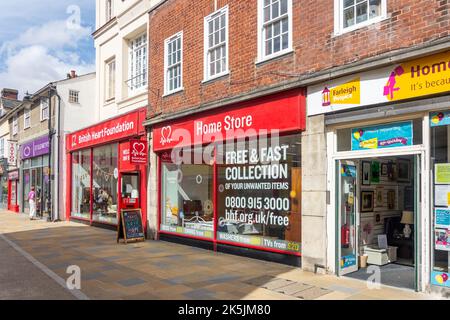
(130, 227)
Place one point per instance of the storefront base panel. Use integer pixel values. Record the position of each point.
(235, 250)
(95, 224)
(440, 291)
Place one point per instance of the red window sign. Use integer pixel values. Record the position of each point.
(128, 125)
(282, 112)
(138, 152)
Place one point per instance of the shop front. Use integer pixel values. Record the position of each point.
(232, 177)
(13, 180)
(35, 172)
(385, 137)
(107, 170)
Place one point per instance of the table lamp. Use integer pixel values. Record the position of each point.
(407, 219)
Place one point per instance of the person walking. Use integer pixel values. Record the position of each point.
(32, 203)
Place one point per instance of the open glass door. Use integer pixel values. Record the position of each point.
(347, 224)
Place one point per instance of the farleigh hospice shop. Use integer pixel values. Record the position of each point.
(231, 178)
(388, 134)
(107, 170)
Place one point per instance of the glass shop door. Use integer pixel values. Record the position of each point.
(130, 191)
(347, 233)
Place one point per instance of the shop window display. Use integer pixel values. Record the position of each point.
(259, 200)
(105, 183)
(440, 159)
(81, 184)
(187, 195)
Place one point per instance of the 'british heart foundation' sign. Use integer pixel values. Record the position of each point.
(138, 152)
(127, 125)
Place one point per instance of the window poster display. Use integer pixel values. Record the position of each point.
(259, 199)
(187, 196)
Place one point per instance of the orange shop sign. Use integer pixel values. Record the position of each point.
(412, 79)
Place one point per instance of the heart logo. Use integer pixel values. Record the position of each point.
(166, 134)
(139, 148)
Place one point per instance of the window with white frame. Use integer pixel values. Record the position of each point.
(44, 109)
(109, 10)
(74, 96)
(2, 147)
(275, 28)
(110, 79)
(15, 125)
(27, 119)
(138, 63)
(173, 61)
(356, 13)
(216, 44)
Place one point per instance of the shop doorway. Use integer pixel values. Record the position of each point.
(377, 214)
(130, 195)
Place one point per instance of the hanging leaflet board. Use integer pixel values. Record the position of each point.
(130, 227)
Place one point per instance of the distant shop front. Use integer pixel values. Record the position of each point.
(232, 177)
(107, 170)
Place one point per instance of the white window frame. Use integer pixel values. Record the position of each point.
(42, 108)
(206, 64)
(166, 64)
(262, 57)
(339, 18)
(15, 125)
(132, 66)
(26, 117)
(109, 10)
(2, 147)
(108, 86)
(74, 96)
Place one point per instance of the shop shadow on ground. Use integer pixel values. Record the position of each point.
(152, 270)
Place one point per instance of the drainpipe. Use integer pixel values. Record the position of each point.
(55, 217)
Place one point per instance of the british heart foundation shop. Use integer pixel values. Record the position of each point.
(231, 179)
(107, 170)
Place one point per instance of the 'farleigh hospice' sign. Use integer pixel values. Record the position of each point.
(412, 79)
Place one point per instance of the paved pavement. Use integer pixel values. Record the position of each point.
(35, 256)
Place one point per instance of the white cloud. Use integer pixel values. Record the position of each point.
(33, 67)
(43, 54)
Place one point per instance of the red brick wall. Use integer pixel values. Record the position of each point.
(409, 22)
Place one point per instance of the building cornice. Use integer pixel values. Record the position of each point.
(379, 61)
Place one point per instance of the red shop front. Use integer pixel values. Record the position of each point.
(13, 179)
(107, 170)
(232, 177)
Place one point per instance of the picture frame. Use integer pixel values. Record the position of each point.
(366, 170)
(391, 199)
(392, 171)
(384, 170)
(404, 170)
(379, 197)
(367, 201)
(375, 172)
(409, 198)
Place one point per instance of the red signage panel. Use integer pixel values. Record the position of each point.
(138, 152)
(282, 112)
(127, 125)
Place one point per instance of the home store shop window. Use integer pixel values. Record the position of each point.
(81, 184)
(258, 193)
(105, 183)
(187, 195)
(440, 159)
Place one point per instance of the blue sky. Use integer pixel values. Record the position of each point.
(41, 41)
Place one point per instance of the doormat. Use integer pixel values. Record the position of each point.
(289, 288)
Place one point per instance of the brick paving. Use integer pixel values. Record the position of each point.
(161, 270)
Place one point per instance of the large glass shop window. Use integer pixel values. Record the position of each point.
(440, 158)
(187, 194)
(105, 175)
(81, 184)
(259, 199)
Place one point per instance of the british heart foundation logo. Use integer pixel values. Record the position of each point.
(391, 87)
(166, 135)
